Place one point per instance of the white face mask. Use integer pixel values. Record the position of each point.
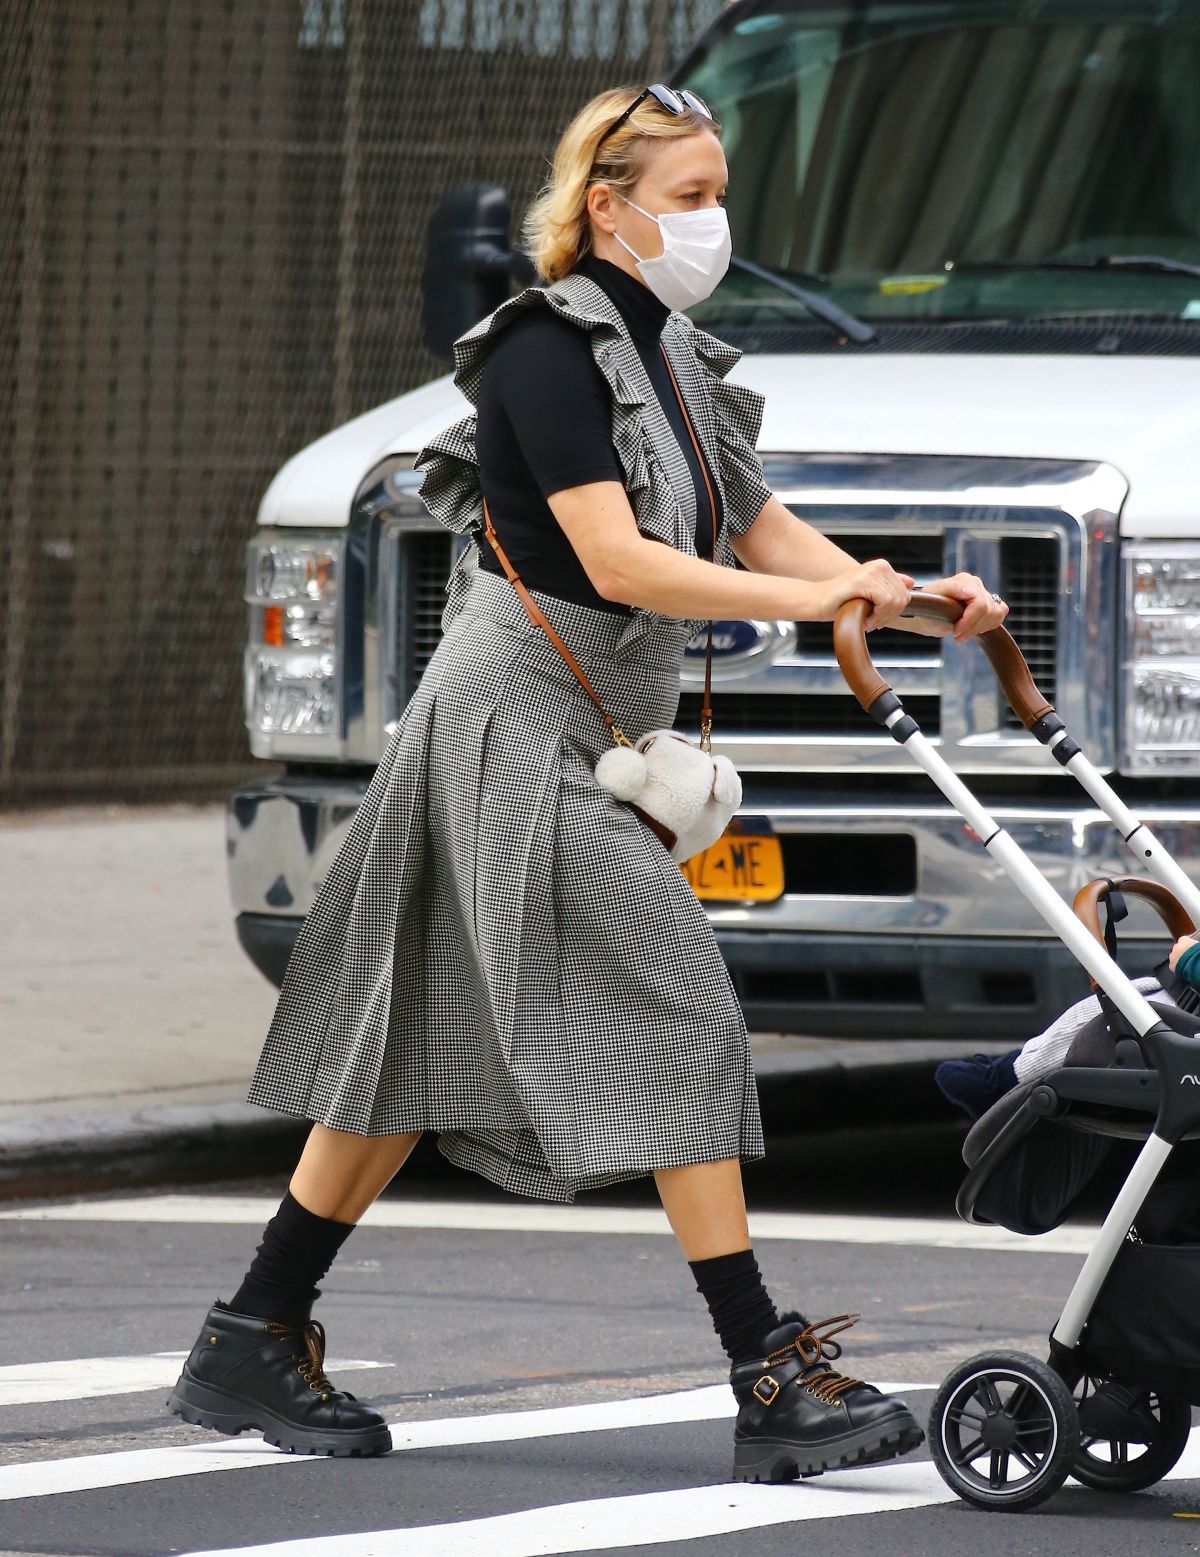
(696, 252)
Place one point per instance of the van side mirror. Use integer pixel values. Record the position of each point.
(469, 264)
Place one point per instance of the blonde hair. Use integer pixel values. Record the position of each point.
(556, 232)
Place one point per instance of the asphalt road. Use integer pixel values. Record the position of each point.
(553, 1380)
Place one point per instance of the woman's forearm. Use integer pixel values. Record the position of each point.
(809, 554)
(650, 574)
(634, 569)
(781, 543)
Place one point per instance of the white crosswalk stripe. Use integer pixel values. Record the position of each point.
(248, 1210)
(81, 1473)
(648, 1519)
(87, 1378)
(639, 1519)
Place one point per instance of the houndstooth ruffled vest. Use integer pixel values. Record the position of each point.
(727, 418)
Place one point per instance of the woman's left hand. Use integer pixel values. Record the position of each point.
(982, 611)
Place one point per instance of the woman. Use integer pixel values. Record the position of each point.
(502, 952)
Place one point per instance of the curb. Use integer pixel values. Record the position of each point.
(857, 1081)
(67, 1154)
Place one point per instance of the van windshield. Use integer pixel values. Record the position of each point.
(958, 161)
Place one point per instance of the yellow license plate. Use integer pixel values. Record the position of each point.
(742, 866)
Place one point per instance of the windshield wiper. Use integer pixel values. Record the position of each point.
(1160, 262)
(837, 318)
(1151, 262)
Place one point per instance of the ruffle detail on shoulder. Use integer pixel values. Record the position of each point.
(450, 488)
(738, 411)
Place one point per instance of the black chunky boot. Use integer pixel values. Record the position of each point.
(245, 1372)
(797, 1417)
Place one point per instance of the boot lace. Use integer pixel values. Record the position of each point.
(310, 1364)
(816, 1349)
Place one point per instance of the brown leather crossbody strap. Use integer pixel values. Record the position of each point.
(538, 616)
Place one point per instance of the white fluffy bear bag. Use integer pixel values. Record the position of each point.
(686, 789)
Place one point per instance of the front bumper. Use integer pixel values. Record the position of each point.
(902, 924)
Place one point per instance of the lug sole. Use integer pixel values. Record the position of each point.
(767, 1459)
(203, 1405)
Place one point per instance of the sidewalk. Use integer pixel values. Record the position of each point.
(131, 1019)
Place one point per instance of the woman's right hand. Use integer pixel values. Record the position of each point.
(1180, 946)
(888, 591)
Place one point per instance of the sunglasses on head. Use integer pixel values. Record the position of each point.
(667, 98)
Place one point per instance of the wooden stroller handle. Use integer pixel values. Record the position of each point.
(1168, 907)
(850, 645)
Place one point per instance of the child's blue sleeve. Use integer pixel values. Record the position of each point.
(1188, 966)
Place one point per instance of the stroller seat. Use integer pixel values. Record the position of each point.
(1032, 1156)
(1030, 1163)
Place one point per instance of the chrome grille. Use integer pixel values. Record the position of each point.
(1026, 575)
(828, 710)
(735, 714)
(425, 563)
(408, 561)
(1044, 530)
(1029, 582)
(920, 556)
(816, 638)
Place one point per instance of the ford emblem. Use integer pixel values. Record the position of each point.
(733, 642)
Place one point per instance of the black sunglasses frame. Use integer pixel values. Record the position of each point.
(668, 98)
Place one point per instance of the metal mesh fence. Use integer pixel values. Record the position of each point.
(211, 250)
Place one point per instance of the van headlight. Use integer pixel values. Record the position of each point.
(292, 682)
(1160, 672)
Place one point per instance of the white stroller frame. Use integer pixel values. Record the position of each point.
(1168, 1052)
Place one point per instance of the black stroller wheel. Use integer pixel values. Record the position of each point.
(1003, 1431)
(1110, 1462)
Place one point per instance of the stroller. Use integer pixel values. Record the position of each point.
(1111, 1406)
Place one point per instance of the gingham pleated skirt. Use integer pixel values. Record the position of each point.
(502, 952)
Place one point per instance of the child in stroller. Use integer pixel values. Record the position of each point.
(974, 1084)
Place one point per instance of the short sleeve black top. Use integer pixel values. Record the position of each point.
(544, 422)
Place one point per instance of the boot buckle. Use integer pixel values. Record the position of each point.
(766, 1382)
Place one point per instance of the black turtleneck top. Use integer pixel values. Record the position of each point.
(544, 422)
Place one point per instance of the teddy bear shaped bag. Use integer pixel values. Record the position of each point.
(679, 789)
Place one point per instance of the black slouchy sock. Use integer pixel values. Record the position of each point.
(742, 1313)
(296, 1251)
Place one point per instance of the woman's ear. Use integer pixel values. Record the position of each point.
(600, 207)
